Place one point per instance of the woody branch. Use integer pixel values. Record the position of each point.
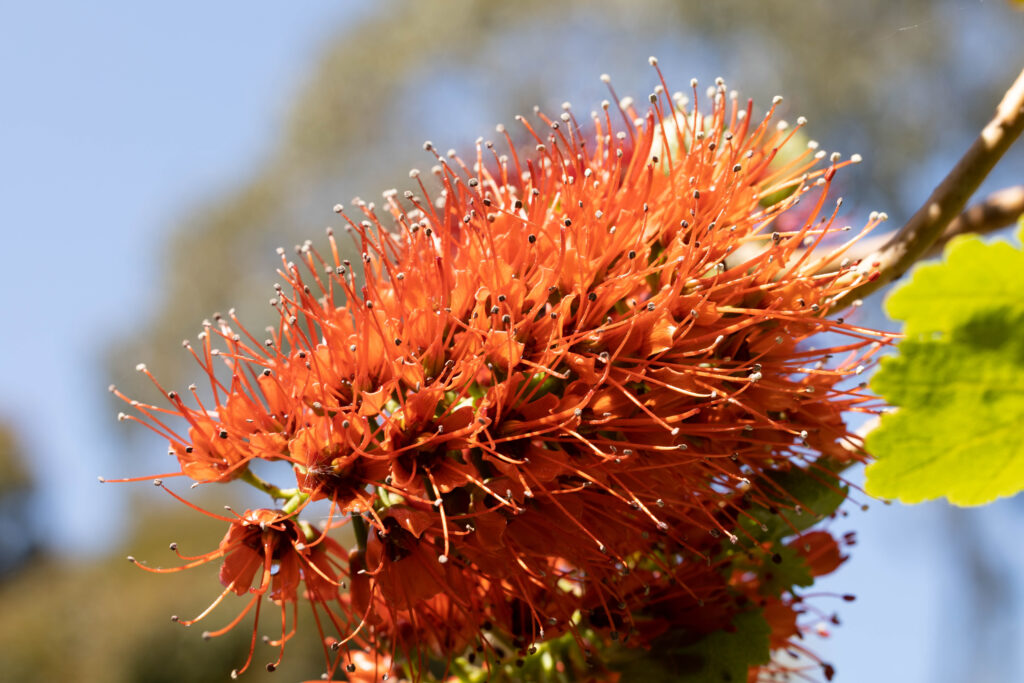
(942, 213)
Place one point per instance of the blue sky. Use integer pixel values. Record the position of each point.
(117, 120)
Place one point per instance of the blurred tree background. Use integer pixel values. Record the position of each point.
(906, 84)
(900, 83)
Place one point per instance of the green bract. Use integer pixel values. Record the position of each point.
(957, 381)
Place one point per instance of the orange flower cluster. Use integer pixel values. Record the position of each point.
(553, 391)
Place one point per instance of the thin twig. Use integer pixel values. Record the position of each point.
(996, 211)
(946, 202)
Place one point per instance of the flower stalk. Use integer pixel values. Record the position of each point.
(276, 493)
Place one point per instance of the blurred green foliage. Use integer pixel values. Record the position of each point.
(17, 542)
(14, 476)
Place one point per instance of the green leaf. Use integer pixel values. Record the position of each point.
(787, 569)
(718, 657)
(958, 381)
(973, 278)
(817, 491)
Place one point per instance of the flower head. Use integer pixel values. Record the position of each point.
(556, 384)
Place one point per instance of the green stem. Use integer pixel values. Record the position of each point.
(277, 494)
(308, 531)
(294, 502)
(359, 527)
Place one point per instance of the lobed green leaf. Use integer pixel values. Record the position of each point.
(957, 381)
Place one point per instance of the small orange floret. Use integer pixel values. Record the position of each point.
(266, 553)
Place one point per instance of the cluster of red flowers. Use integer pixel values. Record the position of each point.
(555, 398)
